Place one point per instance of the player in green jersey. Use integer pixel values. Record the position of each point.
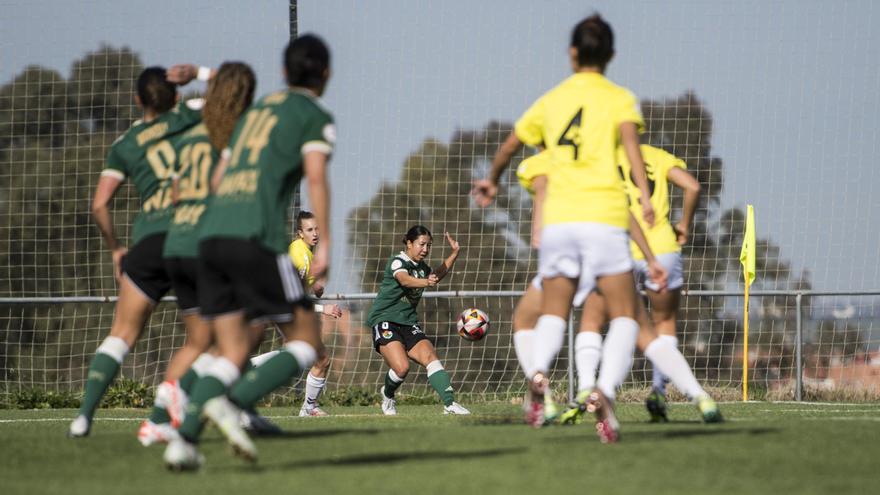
(397, 333)
(146, 155)
(229, 93)
(246, 277)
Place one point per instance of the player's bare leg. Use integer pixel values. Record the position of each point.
(424, 354)
(132, 311)
(525, 316)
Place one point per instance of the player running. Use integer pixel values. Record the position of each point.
(584, 242)
(245, 273)
(146, 155)
(659, 345)
(229, 93)
(397, 333)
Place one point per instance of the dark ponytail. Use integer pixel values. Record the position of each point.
(415, 232)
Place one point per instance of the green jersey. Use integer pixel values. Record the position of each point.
(265, 166)
(146, 155)
(196, 160)
(394, 302)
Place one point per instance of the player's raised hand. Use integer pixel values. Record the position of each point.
(452, 243)
(432, 280)
(181, 73)
(484, 192)
(117, 255)
(658, 275)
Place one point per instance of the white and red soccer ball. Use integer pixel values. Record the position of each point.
(473, 324)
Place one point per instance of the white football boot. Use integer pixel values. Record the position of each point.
(227, 418)
(150, 433)
(389, 406)
(79, 427)
(170, 396)
(455, 408)
(181, 455)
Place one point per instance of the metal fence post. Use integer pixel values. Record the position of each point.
(570, 357)
(798, 349)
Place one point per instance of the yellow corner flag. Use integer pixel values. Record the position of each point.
(747, 254)
(747, 258)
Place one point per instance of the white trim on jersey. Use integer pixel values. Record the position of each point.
(319, 146)
(292, 286)
(112, 172)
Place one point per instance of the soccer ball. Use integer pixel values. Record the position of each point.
(473, 324)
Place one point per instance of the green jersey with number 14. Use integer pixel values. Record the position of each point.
(265, 166)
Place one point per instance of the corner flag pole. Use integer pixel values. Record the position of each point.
(747, 258)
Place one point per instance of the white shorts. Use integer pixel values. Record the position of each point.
(673, 264)
(584, 251)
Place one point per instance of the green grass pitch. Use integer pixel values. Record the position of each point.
(762, 448)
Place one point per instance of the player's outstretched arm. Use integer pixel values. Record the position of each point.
(691, 188)
(107, 186)
(315, 166)
(484, 190)
(658, 274)
(410, 282)
(442, 270)
(629, 137)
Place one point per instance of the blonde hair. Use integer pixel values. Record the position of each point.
(230, 92)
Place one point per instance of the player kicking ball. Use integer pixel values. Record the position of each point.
(397, 333)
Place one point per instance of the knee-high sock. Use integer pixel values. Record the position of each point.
(439, 380)
(216, 381)
(102, 371)
(392, 383)
(617, 355)
(263, 380)
(671, 363)
(547, 341)
(659, 380)
(186, 383)
(523, 341)
(587, 354)
(314, 387)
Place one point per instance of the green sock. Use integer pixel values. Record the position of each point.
(205, 389)
(391, 386)
(159, 415)
(442, 385)
(188, 380)
(102, 372)
(262, 380)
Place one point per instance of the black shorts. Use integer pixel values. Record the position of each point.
(239, 275)
(387, 331)
(184, 275)
(144, 266)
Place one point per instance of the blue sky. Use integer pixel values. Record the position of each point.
(792, 86)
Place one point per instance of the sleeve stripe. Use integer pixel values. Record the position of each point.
(112, 172)
(319, 146)
(395, 272)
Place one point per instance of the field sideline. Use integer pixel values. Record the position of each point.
(762, 448)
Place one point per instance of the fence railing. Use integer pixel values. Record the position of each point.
(833, 337)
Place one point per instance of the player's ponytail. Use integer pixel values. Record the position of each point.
(230, 92)
(307, 61)
(415, 232)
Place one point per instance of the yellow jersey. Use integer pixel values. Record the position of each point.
(530, 168)
(301, 256)
(578, 123)
(658, 163)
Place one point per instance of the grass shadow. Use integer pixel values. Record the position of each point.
(628, 436)
(294, 435)
(384, 458)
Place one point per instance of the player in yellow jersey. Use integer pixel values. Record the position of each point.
(584, 242)
(307, 236)
(659, 345)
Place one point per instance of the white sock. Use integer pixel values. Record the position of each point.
(522, 344)
(658, 378)
(314, 387)
(587, 354)
(114, 347)
(617, 355)
(224, 370)
(546, 343)
(262, 358)
(671, 363)
(202, 363)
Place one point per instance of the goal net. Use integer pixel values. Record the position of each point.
(767, 105)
